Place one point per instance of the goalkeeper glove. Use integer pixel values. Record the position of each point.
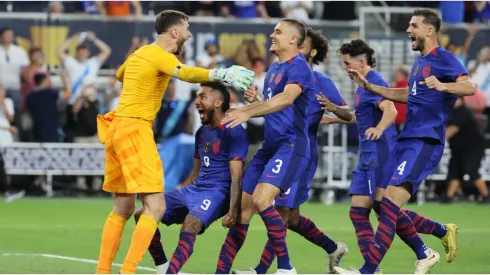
(236, 76)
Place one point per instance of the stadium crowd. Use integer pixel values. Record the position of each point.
(33, 109)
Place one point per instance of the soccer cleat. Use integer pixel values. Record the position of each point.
(378, 271)
(423, 266)
(286, 271)
(450, 242)
(250, 271)
(162, 269)
(340, 270)
(335, 257)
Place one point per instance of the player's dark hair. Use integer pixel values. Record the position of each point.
(39, 78)
(319, 42)
(167, 19)
(358, 47)
(34, 50)
(82, 46)
(430, 18)
(223, 90)
(300, 27)
(5, 29)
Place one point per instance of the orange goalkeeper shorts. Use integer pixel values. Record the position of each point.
(132, 162)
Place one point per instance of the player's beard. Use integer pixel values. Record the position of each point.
(419, 44)
(208, 115)
(180, 46)
(307, 56)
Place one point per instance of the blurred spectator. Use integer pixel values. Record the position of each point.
(244, 9)
(246, 52)
(119, 8)
(467, 145)
(55, 7)
(82, 69)
(482, 13)
(480, 73)
(37, 66)
(12, 59)
(113, 93)
(400, 77)
(137, 43)
(477, 103)
(298, 10)
(205, 8)
(88, 7)
(211, 58)
(42, 105)
(463, 54)
(452, 11)
(7, 113)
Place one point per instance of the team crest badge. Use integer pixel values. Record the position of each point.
(216, 146)
(206, 146)
(272, 77)
(358, 99)
(416, 70)
(278, 78)
(426, 71)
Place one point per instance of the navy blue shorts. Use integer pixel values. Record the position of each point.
(415, 159)
(206, 203)
(298, 193)
(281, 167)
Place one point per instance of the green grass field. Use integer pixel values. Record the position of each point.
(35, 232)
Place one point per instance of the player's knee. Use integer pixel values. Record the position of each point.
(154, 205)
(138, 213)
(192, 224)
(400, 194)
(261, 202)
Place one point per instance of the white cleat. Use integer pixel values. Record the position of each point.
(250, 271)
(335, 257)
(162, 269)
(340, 270)
(423, 266)
(286, 271)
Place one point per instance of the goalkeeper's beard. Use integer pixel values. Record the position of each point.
(180, 46)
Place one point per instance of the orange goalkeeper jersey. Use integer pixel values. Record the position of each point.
(145, 76)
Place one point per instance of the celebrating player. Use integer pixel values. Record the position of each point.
(285, 152)
(315, 50)
(377, 138)
(132, 164)
(436, 79)
(219, 157)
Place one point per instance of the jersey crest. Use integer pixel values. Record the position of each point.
(272, 77)
(216, 146)
(278, 78)
(426, 71)
(206, 146)
(416, 70)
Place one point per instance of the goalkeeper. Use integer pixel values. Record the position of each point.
(132, 164)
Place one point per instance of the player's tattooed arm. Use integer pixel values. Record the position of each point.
(393, 94)
(388, 117)
(333, 120)
(464, 85)
(340, 112)
(236, 170)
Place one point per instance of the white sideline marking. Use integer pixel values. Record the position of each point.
(75, 259)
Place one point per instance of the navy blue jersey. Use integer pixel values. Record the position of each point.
(428, 109)
(215, 147)
(368, 114)
(325, 86)
(288, 125)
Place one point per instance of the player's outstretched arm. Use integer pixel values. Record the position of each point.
(393, 94)
(464, 85)
(388, 117)
(342, 113)
(333, 120)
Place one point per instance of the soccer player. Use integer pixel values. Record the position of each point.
(132, 164)
(315, 50)
(377, 138)
(436, 79)
(216, 179)
(285, 152)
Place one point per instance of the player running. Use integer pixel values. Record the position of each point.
(315, 51)
(132, 164)
(377, 138)
(285, 152)
(217, 178)
(421, 143)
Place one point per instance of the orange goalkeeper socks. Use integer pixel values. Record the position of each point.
(142, 236)
(111, 238)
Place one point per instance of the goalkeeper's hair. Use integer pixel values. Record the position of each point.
(167, 19)
(223, 90)
(319, 42)
(359, 47)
